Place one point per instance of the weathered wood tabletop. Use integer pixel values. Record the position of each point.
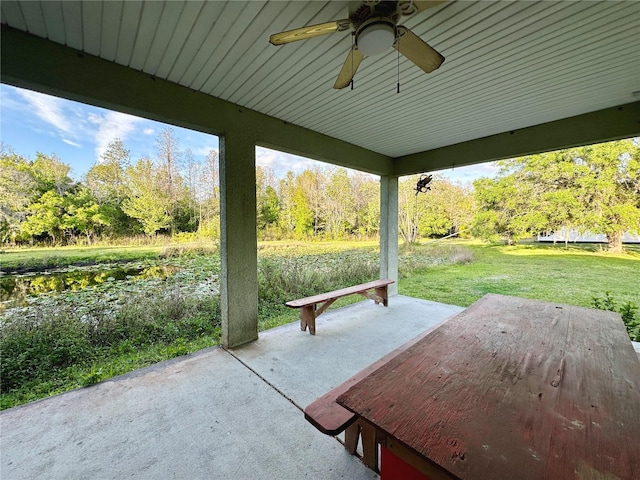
(513, 389)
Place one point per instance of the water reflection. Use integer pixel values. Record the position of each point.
(18, 287)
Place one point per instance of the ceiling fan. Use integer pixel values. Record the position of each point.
(374, 26)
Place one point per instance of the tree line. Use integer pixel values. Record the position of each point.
(115, 198)
(175, 194)
(594, 188)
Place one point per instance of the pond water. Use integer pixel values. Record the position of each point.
(18, 287)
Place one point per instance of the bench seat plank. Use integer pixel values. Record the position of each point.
(312, 307)
(343, 292)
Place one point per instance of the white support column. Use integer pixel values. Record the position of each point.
(389, 231)
(238, 240)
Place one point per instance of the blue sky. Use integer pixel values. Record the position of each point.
(78, 134)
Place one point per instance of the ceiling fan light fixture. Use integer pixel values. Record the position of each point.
(375, 37)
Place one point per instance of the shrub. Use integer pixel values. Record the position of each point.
(628, 311)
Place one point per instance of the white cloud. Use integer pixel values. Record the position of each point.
(73, 144)
(204, 151)
(47, 108)
(148, 131)
(94, 118)
(111, 125)
(281, 162)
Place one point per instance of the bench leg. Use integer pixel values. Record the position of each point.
(308, 319)
(382, 293)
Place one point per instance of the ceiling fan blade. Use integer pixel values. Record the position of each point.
(349, 68)
(309, 32)
(423, 5)
(417, 50)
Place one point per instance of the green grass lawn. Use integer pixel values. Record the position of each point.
(572, 275)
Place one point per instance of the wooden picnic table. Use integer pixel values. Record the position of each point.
(509, 389)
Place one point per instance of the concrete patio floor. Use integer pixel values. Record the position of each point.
(214, 414)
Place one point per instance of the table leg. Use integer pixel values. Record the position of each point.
(351, 435)
(369, 446)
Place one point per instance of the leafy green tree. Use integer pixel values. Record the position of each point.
(184, 215)
(594, 188)
(610, 189)
(45, 216)
(170, 159)
(312, 185)
(409, 207)
(44, 213)
(296, 214)
(444, 209)
(269, 208)
(17, 189)
(457, 203)
(285, 195)
(107, 178)
(267, 202)
(503, 207)
(339, 204)
(51, 174)
(83, 214)
(208, 197)
(365, 190)
(148, 200)
(303, 217)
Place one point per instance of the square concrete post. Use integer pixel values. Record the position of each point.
(389, 231)
(238, 240)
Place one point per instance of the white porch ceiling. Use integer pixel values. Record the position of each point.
(509, 65)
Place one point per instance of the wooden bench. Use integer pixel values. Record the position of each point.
(332, 419)
(312, 307)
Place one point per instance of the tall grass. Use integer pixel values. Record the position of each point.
(59, 349)
(414, 258)
(281, 279)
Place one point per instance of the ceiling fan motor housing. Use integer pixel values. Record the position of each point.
(376, 35)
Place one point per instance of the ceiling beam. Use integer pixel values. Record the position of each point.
(32, 62)
(601, 126)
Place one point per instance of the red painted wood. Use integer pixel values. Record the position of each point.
(338, 293)
(514, 389)
(394, 468)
